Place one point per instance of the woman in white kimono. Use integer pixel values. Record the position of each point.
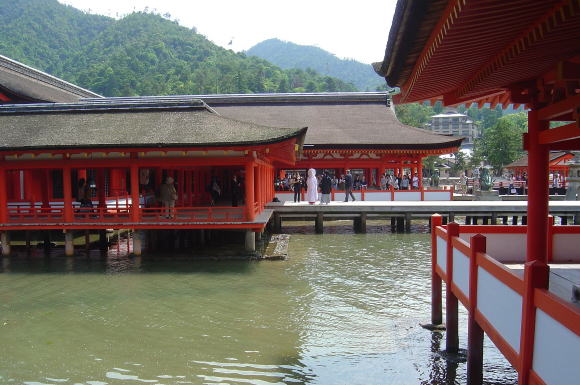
(312, 186)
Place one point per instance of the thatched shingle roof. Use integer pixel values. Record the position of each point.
(29, 84)
(114, 123)
(334, 120)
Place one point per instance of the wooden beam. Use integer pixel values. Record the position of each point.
(560, 134)
(557, 110)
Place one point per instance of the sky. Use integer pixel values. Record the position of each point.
(349, 29)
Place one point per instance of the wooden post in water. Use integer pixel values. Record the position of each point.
(5, 240)
(69, 249)
(363, 223)
(27, 240)
(436, 284)
(319, 223)
(407, 222)
(137, 243)
(250, 241)
(451, 310)
(474, 331)
(577, 218)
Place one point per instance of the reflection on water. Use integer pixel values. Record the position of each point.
(344, 309)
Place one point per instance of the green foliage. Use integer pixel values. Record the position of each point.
(501, 144)
(429, 163)
(289, 55)
(141, 54)
(414, 114)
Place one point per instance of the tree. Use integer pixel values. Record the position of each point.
(414, 114)
(501, 144)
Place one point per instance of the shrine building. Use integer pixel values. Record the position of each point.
(519, 284)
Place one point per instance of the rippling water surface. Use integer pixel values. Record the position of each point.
(343, 309)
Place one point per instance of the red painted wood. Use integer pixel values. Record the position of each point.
(451, 308)
(3, 197)
(536, 276)
(67, 191)
(436, 283)
(538, 157)
(135, 210)
(474, 330)
(249, 189)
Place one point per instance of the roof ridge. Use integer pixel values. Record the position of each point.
(44, 77)
(310, 97)
(108, 104)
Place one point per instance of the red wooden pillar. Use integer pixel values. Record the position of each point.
(181, 186)
(436, 283)
(451, 308)
(538, 160)
(474, 330)
(101, 192)
(257, 191)
(249, 190)
(3, 196)
(420, 173)
(188, 189)
(536, 271)
(44, 186)
(67, 193)
(135, 210)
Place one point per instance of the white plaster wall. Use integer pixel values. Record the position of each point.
(437, 195)
(378, 196)
(339, 196)
(407, 195)
(503, 247)
(556, 352)
(442, 254)
(566, 248)
(501, 306)
(461, 271)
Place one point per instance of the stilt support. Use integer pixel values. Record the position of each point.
(363, 223)
(5, 240)
(407, 222)
(69, 249)
(319, 223)
(250, 241)
(137, 243)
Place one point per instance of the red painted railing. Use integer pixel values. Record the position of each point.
(120, 212)
(464, 266)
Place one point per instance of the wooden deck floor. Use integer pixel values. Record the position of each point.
(563, 276)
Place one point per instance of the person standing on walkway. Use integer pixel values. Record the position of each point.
(236, 191)
(312, 187)
(168, 196)
(297, 188)
(348, 186)
(383, 182)
(325, 189)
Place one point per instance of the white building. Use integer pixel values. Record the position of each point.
(451, 122)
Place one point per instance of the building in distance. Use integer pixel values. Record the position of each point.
(452, 122)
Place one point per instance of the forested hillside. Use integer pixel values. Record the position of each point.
(141, 54)
(289, 55)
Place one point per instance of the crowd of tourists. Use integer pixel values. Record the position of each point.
(325, 183)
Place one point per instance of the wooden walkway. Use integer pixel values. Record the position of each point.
(401, 213)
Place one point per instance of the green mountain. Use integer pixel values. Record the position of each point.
(289, 55)
(141, 54)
